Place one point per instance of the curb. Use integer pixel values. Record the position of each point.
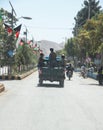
(17, 77)
(2, 88)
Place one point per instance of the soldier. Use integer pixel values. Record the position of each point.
(52, 57)
(41, 60)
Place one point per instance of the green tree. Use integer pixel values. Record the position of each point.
(69, 47)
(25, 56)
(90, 37)
(90, 9)
(11, 55)
(8, 41)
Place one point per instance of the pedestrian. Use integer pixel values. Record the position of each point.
(52, 57)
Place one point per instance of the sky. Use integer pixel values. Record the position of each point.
(52, 20)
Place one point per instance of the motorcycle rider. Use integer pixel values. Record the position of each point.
(69, 68)
(83, 70)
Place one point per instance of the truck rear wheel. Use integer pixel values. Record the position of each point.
(61, 83)
(40, 81)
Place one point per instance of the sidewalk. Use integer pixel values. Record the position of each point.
(92, 75)
(89, 74)
(16, 77)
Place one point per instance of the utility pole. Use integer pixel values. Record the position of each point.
(11, 42)
(12, 12)
(26, 34)
(89, 9)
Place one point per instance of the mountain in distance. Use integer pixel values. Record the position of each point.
(45, 46)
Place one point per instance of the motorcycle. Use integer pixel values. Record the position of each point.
(100, 79)
(69, 74)
(83, 74)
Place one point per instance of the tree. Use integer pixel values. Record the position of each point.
(24, 56)
(71, 48)
(7, 39)
(90, 9)
(11, 55)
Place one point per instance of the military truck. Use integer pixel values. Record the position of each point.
(55, 73)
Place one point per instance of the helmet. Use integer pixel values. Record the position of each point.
(63, 56)
(51, 49)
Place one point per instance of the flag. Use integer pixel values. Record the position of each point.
(10, 53)
(17, 30)
(36, 49)
(31, 41)
(40, 51)
(9, 29)
(25, 33)
(35, 45)
(21, 42)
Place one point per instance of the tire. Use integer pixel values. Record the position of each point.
(100, 79)
(69, 75)
(61, 83)
(100, 82)
(40, 81)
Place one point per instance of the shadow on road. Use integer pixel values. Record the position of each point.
(92, 84)
(48, 85)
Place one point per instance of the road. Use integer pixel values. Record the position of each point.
(77, 106)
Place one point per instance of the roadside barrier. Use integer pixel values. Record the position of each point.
(89, 74)
(16, 77)
(8, 77)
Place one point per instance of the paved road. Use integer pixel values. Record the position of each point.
(77, 106)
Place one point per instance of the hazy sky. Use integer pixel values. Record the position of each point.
(51, 19)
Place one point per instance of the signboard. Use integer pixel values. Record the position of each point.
(10, 52)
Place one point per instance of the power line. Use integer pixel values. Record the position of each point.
(50, 28)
